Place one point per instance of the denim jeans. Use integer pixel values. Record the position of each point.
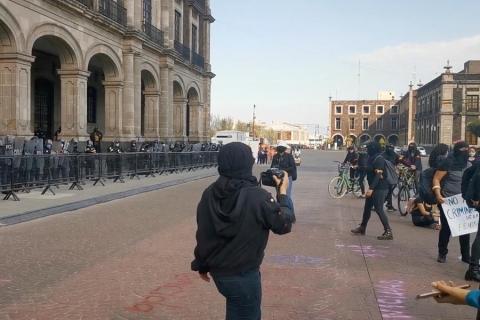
(289, 194)
(243, 293)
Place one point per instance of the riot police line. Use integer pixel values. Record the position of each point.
(29, 164)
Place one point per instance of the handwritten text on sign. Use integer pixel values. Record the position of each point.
(461, 219)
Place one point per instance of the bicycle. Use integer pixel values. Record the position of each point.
(406, 183)
(339, 186)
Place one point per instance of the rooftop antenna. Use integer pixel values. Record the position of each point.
(358, 80)
(414, 74)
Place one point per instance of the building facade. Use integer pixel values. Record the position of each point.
(357, 121)
(134, 68)
(446, 105)
(407, 106)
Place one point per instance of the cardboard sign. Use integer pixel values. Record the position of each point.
(461, 219)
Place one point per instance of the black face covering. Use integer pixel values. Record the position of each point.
(281, 149)
(373, 148)
(461, 157)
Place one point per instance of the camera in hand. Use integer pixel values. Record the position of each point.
(267, 177)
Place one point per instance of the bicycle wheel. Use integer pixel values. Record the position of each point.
(337, 188)
(403, 196)
(395, 191)
(357, 191)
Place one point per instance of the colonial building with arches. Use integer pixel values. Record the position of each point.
(134, 68)
(353, 122)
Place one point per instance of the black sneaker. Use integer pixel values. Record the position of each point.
(391, 209)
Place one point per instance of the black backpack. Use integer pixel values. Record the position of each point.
(425, 186)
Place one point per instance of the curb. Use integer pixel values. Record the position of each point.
(35, 214)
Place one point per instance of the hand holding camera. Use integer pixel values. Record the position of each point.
(282, 183)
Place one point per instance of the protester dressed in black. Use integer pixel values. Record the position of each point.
(361, 168)
(352, 158)
(378, 189)
(395, 159)
(234, 219)
(448, 182)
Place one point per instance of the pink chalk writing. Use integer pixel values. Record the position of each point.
(367, 251)
(166, 295)
(5, 281)
(391, 299)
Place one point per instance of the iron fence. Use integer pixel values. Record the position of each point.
(113, 10)
(24, 173)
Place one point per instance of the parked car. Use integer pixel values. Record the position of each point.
(423, 153)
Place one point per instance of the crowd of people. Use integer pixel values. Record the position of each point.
(451, 172)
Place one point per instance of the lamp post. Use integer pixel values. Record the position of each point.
(253, 123)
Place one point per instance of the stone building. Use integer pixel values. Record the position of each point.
(134, 68)
(363, 120)
(407, 106)
(447, 104)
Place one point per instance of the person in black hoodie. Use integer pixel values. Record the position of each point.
(351, 158)
(378, 189)
(361, 168)
(285, 161)
(234, 219)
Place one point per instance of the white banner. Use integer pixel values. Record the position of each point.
(461, 219)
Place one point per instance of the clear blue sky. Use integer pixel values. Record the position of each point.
(287, 57)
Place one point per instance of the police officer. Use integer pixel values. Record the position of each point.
(89, 159)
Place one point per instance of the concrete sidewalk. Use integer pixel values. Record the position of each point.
(34, 205)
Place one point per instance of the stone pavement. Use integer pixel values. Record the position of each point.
(130, 259)
(34, 205)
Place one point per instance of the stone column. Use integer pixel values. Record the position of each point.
(15, 94)
(128, 112)
(165, 121)
(152, 101)
(73, 103)
(200, 122)
(206, 107)
(113, 109)
(170, 101)
(137, 93)
(134, 13)
(208, 20)
(179, 118)
(167, 21)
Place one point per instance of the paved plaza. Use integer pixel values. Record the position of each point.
(130, 259)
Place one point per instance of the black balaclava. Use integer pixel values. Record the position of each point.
(461, 157)
(281, 149)
(235, 161)
(373, 148)
(389, 150)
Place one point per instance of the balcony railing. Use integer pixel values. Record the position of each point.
(156, 35)
(113, 11)
(84, 2)
(182, 49)
(198, 60)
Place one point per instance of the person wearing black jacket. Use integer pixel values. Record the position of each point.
(472, 174)
(234, 219)
(395, 159)
(285, 161)
(361, 168)
(378, 189)
(352, 158)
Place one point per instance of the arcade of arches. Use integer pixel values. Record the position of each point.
(47, 81)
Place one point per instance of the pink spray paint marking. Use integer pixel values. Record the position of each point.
(5, 281)
(391, 299)
(370, 251)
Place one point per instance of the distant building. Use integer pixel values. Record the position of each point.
(407, 106)
(357, 121)
(290, 133)
(447, 104)
(386, 95)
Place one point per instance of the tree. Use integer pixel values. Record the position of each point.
(242, 126)
(218, 123)
(474, 127)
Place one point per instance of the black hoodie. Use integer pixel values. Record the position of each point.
(234, 218)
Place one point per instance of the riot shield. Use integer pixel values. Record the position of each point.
(56, 150)
(40, 159)
(29, 152)
(18, 147)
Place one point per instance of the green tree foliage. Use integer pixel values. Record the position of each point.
(218, 123)
(474, 127)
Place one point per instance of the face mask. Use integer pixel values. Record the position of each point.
(117, 145)
(472, 154)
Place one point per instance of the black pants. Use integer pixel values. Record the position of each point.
(422, 221)
(352, 173)
(444, 237)
(377, 199)
(388, 198)
(475, 248)
(361, 179)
